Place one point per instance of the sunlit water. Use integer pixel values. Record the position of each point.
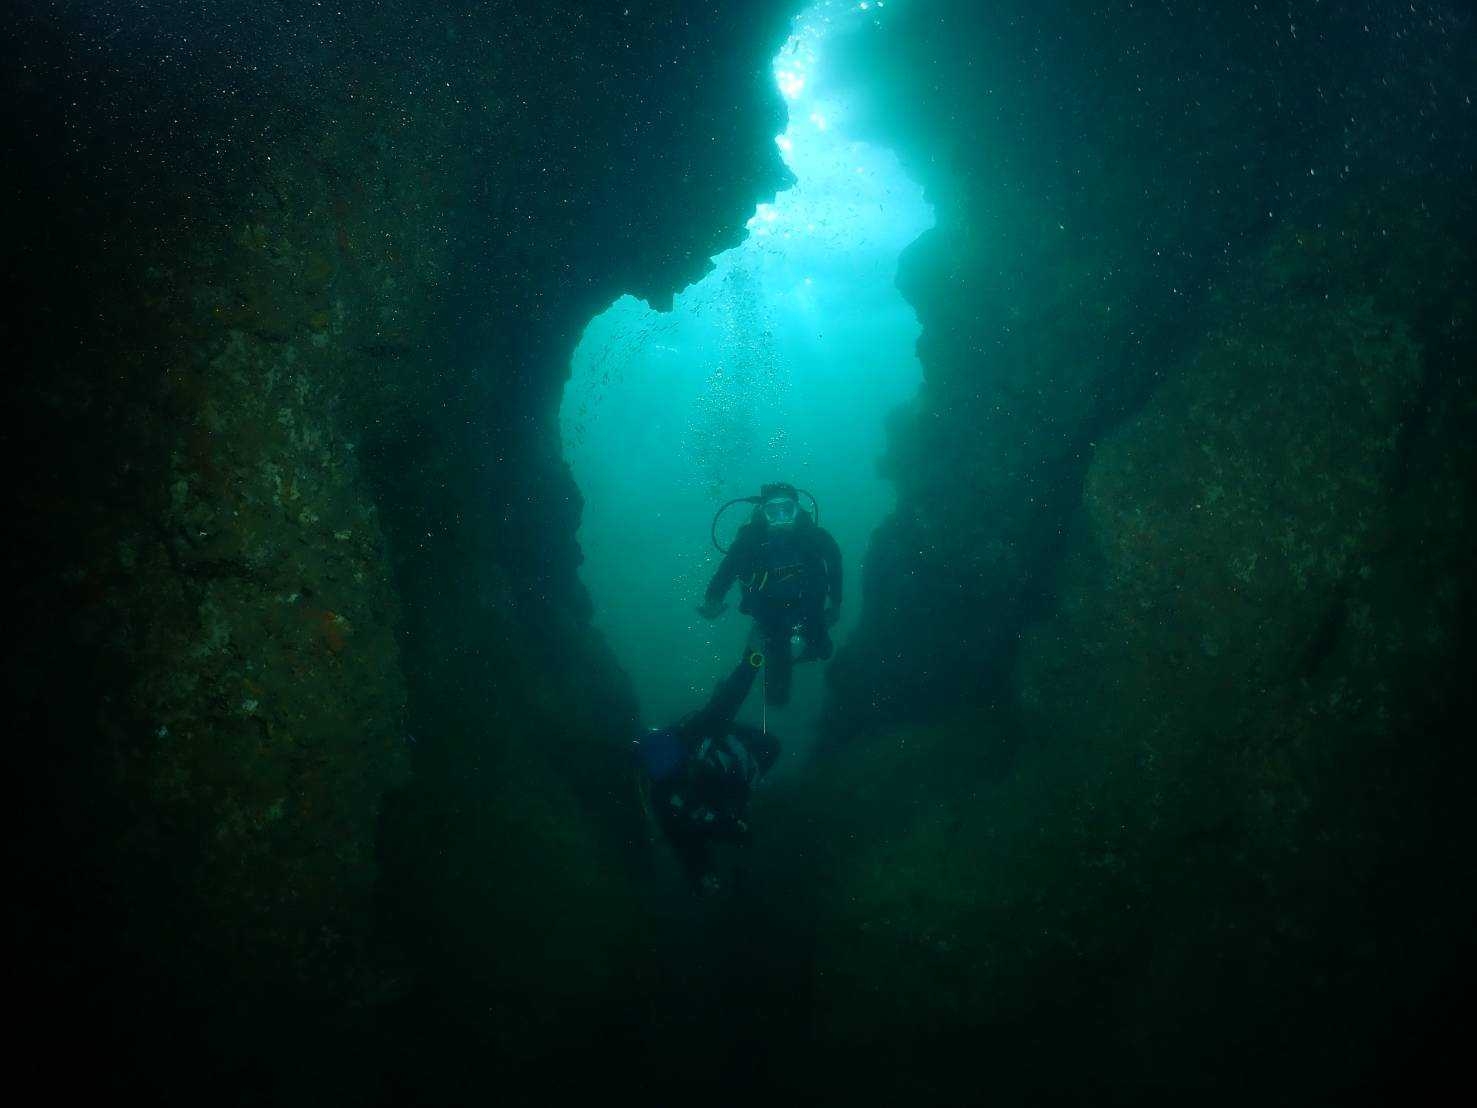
(781, 364)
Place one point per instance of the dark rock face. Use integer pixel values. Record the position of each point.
(1150, 762)
(1099, 171)
(316, 730)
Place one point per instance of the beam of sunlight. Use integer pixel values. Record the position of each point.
(781, 364)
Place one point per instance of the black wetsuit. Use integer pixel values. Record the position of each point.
(788, 576)
(707, 800)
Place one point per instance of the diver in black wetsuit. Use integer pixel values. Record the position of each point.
(789, 570)
(696, 775)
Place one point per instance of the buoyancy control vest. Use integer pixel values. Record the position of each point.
(786, 571)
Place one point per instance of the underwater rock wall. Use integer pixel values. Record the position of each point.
(1098, 172)
(1239, 736)
(299, 290)
(1149, 769)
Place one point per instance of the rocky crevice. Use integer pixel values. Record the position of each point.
(1155, 719)
(1088, 210)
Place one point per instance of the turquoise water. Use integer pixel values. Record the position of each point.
(783, 363)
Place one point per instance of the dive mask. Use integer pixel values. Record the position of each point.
(780, 511)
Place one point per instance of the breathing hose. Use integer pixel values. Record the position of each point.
(815, 513)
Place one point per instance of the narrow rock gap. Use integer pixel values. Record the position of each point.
(782, 364)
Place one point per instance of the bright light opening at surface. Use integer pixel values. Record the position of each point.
(782, 364)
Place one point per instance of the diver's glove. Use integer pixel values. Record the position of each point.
(711, 609)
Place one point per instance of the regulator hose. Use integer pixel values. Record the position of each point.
(815, 513)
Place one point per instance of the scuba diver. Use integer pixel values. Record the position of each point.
(789, 573)
(696, 776)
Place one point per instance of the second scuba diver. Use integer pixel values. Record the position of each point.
(789, 573)
(696, 776)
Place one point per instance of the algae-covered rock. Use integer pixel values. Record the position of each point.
(1178, 840)
(1088, 211)
(299, 549)
(263, 624)
(1226, 521)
